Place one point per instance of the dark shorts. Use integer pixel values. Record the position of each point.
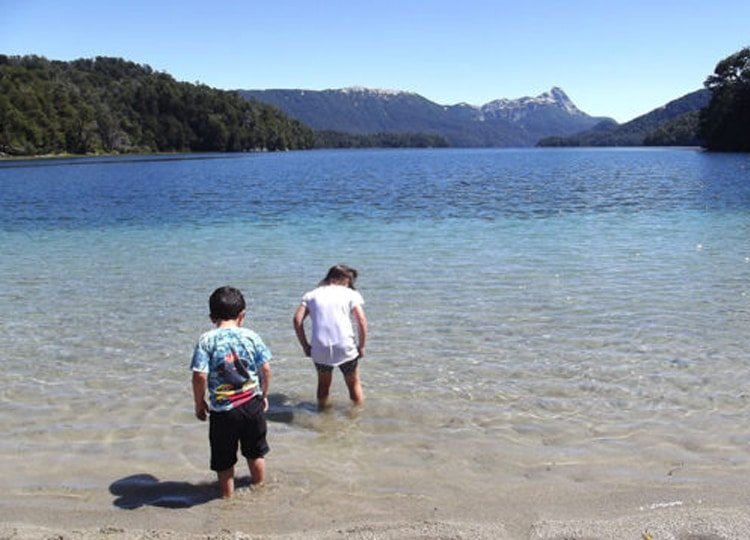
(246, 426)
(346, 368)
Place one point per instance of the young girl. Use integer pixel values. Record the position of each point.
(333, 343)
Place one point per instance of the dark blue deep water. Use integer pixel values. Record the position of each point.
(379, 185)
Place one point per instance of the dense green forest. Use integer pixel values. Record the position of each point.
(339, 139)
(681, 131)
(110, 105)
(725, 123)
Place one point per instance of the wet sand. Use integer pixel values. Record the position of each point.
(159, 512)
(715, 524)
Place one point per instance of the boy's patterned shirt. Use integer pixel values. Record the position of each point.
(232, 358)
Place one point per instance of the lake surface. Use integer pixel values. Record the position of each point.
(542, 322)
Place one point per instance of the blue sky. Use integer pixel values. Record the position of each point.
(613, 58)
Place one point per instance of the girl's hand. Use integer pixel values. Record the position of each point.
(265, 404)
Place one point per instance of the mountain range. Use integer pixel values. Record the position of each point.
(499, 123)
(674, 124)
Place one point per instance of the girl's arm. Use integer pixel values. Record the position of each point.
(265, 382)
(361, 318)
(299, 328)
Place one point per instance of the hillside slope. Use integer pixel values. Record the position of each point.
(504, 122)
(676, 123)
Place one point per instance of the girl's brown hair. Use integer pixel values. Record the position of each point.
(340, 273)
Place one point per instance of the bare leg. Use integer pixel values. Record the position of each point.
(226, 482)
(257, 468)
(324, 388)
(355, 388)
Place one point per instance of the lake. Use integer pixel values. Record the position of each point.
(545, 324)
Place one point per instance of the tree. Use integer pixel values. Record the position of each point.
(725, 123)
(112, 105)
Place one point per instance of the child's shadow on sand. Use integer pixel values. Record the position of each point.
(146, 490)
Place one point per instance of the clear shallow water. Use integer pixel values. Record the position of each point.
(576, 317)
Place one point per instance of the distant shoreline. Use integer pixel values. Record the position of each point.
(4, 158)
(79, 159)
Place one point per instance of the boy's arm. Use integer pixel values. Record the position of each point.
(265, 382)
(359, 315)
(299, 328)
(200, 382)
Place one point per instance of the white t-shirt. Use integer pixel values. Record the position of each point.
(333, 341)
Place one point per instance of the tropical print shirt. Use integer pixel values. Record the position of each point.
(232, 357)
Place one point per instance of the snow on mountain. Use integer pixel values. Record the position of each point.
(374, 92)
(515, 109)
(555, 98)
(503, 122)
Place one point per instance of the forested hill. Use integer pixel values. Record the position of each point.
(674, 124)
(717, 117)
(106, 105)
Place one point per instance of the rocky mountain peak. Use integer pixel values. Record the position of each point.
(554, 98)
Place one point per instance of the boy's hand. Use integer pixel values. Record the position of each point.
(200, 380)
(265, 404)
(201, 411)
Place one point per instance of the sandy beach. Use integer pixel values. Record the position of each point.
(663, 524)
(534, 514)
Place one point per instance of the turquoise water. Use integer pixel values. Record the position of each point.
(580, 315)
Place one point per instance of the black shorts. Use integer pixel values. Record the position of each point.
(346, 368)
(245, 425)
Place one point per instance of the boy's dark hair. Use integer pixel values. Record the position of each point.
(226, 303)
(340, 272)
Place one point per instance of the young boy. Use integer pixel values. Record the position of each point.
(231, 362)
